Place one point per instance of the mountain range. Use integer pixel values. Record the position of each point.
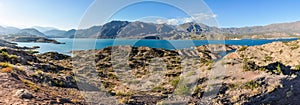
(137, 29)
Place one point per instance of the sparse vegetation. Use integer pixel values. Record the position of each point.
(58, 83)
(7, 70)
(251, 85)
(297, 67)
(175, 81)
(4, 54)
(182, 90)
(158, 89)
(128, 93)
(281, 51)
(243, 48)
(5, 64)
(262, 69)
(278, 70)
(249, 66)
(30, 84)
(233, 86)
(198, 88)
(13, 56)
(268, 58)
(294, 46)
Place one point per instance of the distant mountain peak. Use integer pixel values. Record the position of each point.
(8, 30)
(44, 29)
(31, 31)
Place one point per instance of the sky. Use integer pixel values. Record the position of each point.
(63, 14)
(69, 14)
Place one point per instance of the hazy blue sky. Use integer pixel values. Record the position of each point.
(63, 14)
(67, 14)
(237, 13)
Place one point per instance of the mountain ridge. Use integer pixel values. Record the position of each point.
(138, 29)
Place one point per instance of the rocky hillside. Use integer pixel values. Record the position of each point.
(36, 79)
(4, 43)
(143, 75)
(250, 75)
(266, 74)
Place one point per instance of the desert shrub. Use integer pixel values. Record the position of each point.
(209, 67)
(4, 54)
(210, 64)
(233, 86)
(281, 51)
(278, 70)
(191, 73)
(294, 46)
(251, 85)
(13, 56)
(268, 58)
(129, 93)
(175, 81)
(58, 83)
(7, 70)
(182, 90)
(249, 66)
(5, 64)
(297, 67)
(243, 48)
(198, 88)
(158, 89)
(262, 69)
(30, 84)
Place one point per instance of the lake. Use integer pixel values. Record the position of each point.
(86, 44)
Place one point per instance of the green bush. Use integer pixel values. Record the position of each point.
(281, 51)
(251, 85)
(297, 67)
(158, 89)
(182, 90)
(5, 64)
(278, 70)
(4, 54)
(268, 58)
(243, 48)
(13, 56)
(175, 81)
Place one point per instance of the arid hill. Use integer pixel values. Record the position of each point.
(266, 74)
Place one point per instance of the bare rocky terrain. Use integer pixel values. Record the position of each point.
(266, 74)
(35, 79)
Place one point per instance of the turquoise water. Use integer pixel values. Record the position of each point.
(86, 44)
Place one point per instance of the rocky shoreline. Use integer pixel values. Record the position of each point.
(266, 74)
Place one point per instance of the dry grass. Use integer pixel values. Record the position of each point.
(30, 84)
(7, 70)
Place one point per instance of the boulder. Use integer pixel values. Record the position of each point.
(24, 94)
